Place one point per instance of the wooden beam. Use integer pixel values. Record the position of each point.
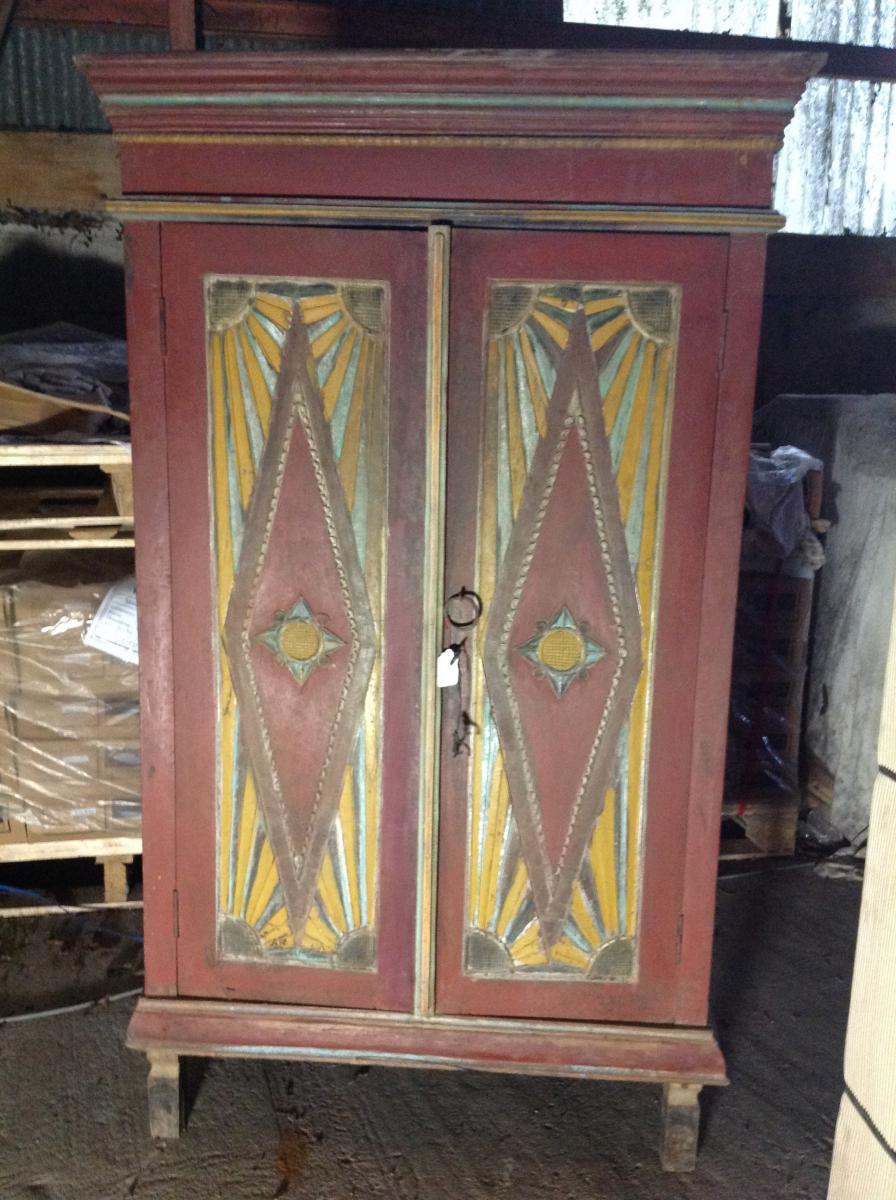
(58, 171)
(182, 29)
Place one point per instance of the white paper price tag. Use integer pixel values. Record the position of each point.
(448, 669)
(114, 628)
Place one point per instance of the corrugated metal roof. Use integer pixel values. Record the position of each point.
(837, 171)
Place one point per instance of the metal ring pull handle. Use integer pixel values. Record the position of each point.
(461, 597)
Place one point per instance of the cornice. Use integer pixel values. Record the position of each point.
(524, 93)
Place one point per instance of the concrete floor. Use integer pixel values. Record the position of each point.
(73, 1116)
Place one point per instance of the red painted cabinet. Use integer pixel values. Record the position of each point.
(484, 382)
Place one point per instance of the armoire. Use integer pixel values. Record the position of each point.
(440, 351)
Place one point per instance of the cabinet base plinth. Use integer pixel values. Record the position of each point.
(683, 1060)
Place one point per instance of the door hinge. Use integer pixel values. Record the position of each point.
(163, 326)
(175, 913)
(679, 937)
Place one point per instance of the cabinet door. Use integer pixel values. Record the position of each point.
(583, 378)
(295, 382)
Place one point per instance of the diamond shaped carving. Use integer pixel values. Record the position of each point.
(567, 555)
(299, 740)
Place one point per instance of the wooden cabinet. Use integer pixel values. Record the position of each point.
(432, 350)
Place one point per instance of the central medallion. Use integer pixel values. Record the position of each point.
(561, 650)
(300, 641)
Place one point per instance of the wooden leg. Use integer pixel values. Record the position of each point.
(681, 1126)
(165, 1105)
(115, 878)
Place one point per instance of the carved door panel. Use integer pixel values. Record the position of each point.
(582, 394)
(295, 379)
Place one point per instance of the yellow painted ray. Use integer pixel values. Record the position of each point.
(604, 333)
(616, 390)
(372, 725)
(227, 765)
(277, 931)
(277, 309)
(645, 565)
(322, 343)
(351, 441)
(261, 397)
(494, 844)
(333, 384)
(515, 451)
(266, 879)
(528, 950)
(566, 951)
(605, 304)
(221, 479)
(637, 429)
(498, 784)
(514, 897)
(245, 465)
(555, 329)
(329, 894)
(269, 348)
(317, 934)
(318, 308)
(603, 862)
(636, 765)
(248, 827)
(561, 302)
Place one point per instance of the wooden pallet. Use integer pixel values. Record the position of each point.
(769, 825)
(113, 852)
(42, 515)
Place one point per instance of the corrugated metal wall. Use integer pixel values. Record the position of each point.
(837, 171)
(41, 88)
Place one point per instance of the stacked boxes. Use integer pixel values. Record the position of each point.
(69, 740)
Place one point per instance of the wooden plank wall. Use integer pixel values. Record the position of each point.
(58, 171)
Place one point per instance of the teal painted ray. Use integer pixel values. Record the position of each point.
(620, 425)
(253, 424)
(325, 362)
(342, 409)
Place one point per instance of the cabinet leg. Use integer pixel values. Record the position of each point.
(681, 1126)
(165, 1099)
